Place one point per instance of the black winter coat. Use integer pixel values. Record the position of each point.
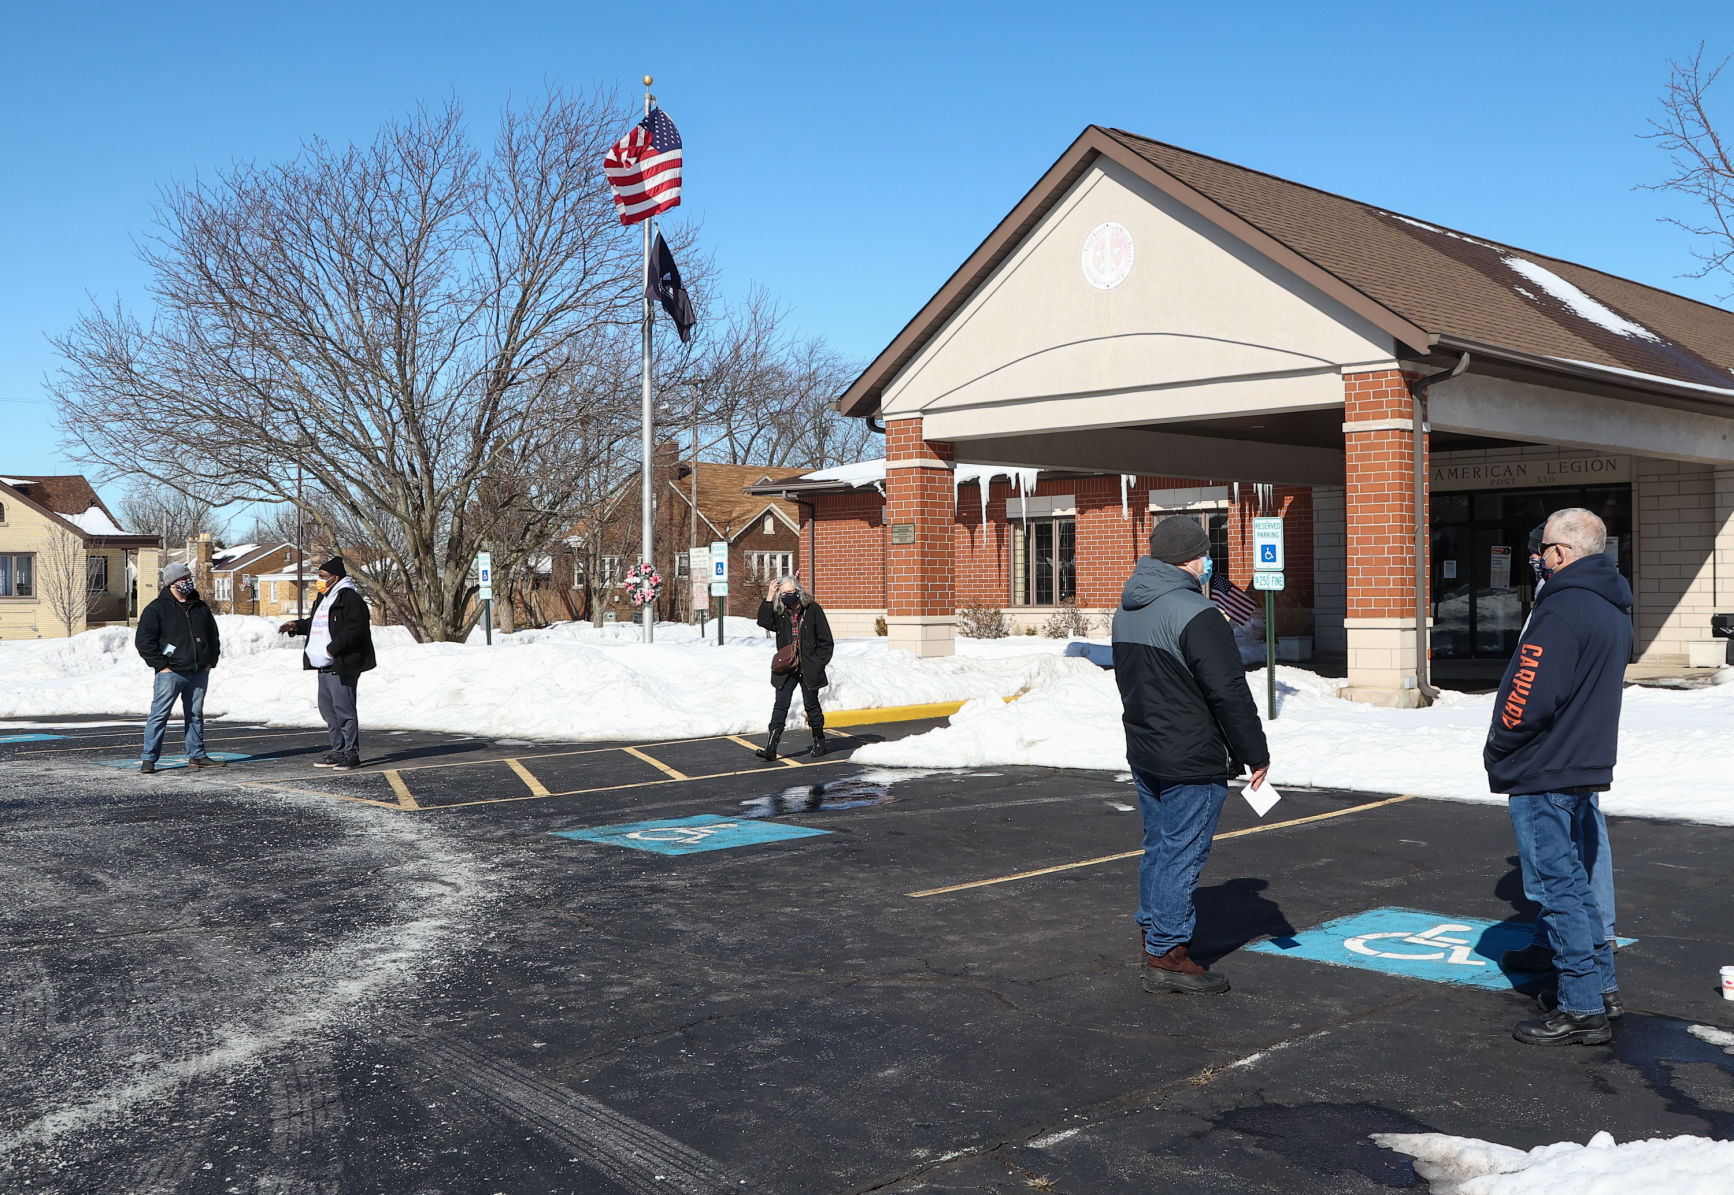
(816, 643)
(351, 647)
(1188, 713)
(181, 637)
(1556, 722)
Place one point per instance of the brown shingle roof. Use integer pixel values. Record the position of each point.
(722, 500)
(69, 494)
(1432, 289)
(1452, 284)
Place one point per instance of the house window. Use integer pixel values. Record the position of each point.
(96, 574)
(225, 587)
(18, 575)
(767, 566)
(611, 571)
(770, 527)
(253, 588)
(681, 563)
(1044, 561)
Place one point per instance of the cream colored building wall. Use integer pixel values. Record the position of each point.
(25, 530)
(1038, 347)
(1674, 510)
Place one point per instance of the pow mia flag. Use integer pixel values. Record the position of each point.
(664, 286)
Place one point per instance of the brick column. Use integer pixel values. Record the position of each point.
(920, 509)
(1379, 484)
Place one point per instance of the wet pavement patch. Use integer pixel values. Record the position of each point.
(29, 738)
(173, 761)
(691, 835)
(835, 796)
(1416, 944)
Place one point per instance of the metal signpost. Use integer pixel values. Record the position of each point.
(1267, 564)
(719, 582)
(485, 575)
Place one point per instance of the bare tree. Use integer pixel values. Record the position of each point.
(1703, 167)
(424, 325)
(150, 507)
(63, 579)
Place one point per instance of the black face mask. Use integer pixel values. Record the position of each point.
(791, 600)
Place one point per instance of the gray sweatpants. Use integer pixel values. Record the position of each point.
(337, 707)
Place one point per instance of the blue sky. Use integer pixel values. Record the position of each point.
(847, 157)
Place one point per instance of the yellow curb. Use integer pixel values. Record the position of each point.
(897, 713)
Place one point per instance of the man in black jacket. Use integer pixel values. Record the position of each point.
(1190, 725)
(1551, 749)
(340, 649)
(796, 618)
(177, 636)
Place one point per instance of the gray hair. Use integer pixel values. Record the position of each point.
(1578, 529)
(782, 581)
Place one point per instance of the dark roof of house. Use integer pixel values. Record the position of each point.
(1433, 289)
(69, 496)
(723, 500)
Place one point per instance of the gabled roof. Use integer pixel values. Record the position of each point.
(724, 503)
(1431, 289)
(243, 557)
(70, 499)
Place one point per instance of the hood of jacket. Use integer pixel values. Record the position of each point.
(1152, 578)
(1598, 575)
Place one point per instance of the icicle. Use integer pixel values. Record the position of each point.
(1237, 493)
(1125, 496)
(984, 482)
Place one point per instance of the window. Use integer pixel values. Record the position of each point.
(768, 566)
(225, 588)
(770, 527)
(18, 575)
(611, 571)
(1044, 561)
(96, 574)
(682, 563)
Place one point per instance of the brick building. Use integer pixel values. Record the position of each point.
(64, 559)
(1149, 311)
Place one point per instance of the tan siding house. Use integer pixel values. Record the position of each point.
(63, 557)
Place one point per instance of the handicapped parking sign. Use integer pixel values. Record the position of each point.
(1414, 943)
(690, 835)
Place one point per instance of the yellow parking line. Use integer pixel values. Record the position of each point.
(314, 792)
(1042, 871)
(400, 788)
(536, 786)
(655, 763)
(609, 788)
(747, 743)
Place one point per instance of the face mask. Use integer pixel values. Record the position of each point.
(322, 586)
(1541, 573)
(184, 588)
(791, 600)
(1204, 573)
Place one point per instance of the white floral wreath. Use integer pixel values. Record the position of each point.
(643, 583)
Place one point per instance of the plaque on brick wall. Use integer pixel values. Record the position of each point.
(903, 533)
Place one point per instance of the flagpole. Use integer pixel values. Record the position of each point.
(648, 611)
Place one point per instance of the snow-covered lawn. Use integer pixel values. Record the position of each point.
(1671, 742)
(575, 681)
(571, 681)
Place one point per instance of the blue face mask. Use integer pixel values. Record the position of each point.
(1204, 573)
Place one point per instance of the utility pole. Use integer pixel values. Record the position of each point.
(692, 536)
(300, 552)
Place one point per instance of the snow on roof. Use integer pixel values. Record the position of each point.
(93, 522)
(1574, 298)
(861, 473)
(234, 553)
(13, 481)
(1725, 391)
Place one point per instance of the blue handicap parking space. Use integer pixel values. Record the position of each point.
(29, 738)
(173, 761)
(1415, 943)
(690, 835)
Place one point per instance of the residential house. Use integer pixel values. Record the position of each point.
(64, 559)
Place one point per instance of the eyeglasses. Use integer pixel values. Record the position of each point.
(1555, 544)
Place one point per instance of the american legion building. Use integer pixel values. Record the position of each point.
(1152, 331)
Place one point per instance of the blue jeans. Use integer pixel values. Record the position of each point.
(1179, 822)
(1549, 828)
(189, 690)
(1598, 859)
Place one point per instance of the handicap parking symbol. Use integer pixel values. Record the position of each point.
(1267, 553)
(1414, 943)
(690, 835)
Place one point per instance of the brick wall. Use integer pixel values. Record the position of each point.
(1379, 505)
(851, 549)
(919, 574)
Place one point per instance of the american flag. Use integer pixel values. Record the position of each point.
(1231, 600)
(644, 169)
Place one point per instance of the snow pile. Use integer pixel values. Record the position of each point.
(1466, 1166)
(572, 681)
(1321, 741)
(855, 475)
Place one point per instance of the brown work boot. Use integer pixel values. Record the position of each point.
(1176, 972)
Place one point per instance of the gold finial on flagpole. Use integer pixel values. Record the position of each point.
(648, 80)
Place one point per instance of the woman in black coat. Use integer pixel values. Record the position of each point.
(796, 618)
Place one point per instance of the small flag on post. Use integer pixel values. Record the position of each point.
(1233, 601)
(644, 169)
(663, 285)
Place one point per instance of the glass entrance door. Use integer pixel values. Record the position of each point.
(1482, 584)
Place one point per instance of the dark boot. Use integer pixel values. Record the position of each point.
(818, 748)
(205, 761)
(1176, 972)
(1564, 1029)
(1612, 1006)
(147, 767)
(768, 752)
(1530, 958)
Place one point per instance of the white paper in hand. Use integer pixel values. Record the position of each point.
(1262, 799)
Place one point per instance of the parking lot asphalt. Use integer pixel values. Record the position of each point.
(470, 968)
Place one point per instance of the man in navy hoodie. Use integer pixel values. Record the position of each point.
(1551, 749)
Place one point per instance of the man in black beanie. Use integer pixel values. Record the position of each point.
(340, 649)
(1190, 725)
